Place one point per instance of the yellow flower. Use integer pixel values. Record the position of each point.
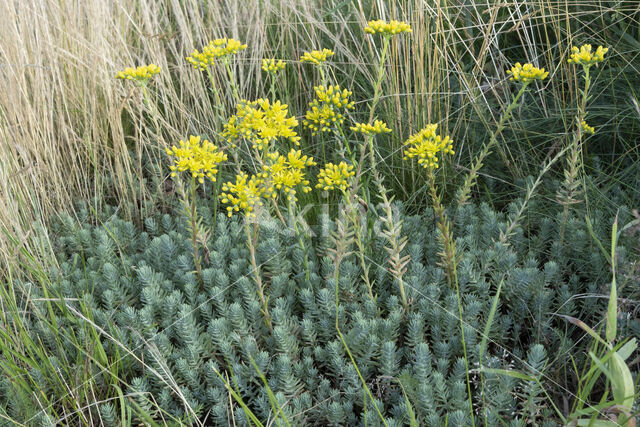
(325, 111)
(261, 122)
(316, 56)
(140, 75)
(200, 157)
(335, 176)
(526, 73)
(217, 49)
(272, 66)
(334, 95)
(377, 127)
(286, 173)
(585, 56)
(426, 145)
(244, 194)
(587, 129)
(387, 28)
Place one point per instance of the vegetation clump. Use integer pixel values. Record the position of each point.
(278, 270)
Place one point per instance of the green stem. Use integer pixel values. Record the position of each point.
(292, 217)
(232, 80)
(464, 345)
(471, 177)
(152, 109)
(216, 191)
(346, 143)
(575, 153)
(154, 117)
(216, 94)
(355, 220)
(372, 108)
(272, 88)
(194, 230)
(323, 78)
(252, 239)
(449, 258)
(448, 245)
(378, 84)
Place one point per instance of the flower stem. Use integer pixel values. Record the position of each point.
(323, 78)
(293, 218)
(194, 230)
(152, 109)
(216, 94)
(449, 260)
(232, 80)
(447, 255)
(252, 239)
(272, 86)
(351, 209)
(378, 84)
(470, 180)
(570, 190)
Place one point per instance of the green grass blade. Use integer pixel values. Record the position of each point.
(487, 328)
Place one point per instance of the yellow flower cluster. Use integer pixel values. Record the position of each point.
(587, 129)
(286, 173)
(321, 119)
(244, 194)
(217, 49)
(377, 127)
(335, 176)
(585, 56)
(526, 73)
(272, 66)
(316, 56)
(200, 157)
(334, 95)
(426, 145)
(325, 111)
(261, 122)
(140, 75)
(387, 28)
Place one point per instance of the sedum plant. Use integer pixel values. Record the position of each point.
(140, 291)
(570, 190)
(372, 316)
(218, 50)
(200, 159)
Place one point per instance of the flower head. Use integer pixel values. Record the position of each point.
(585, 56)
(387, 28)
(426, 145)
(139, 75)
(335, 176)
(216, 49)
(326, 110)
(286, 173)
(261, 122)
(589, 130)
(272, 66)
(526, 73)
(316, 56)
(377, 127)
(244, 194)
(199, 157)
